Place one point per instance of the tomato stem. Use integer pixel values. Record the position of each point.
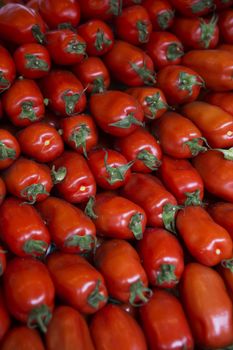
(149, 159)
(174, 51)
(227, 264)
(79, 137)
(143, 34)
(35, 247)
(147, 75)
(6, 152)
(84, 243)
(207, 30)
(168, 216)
(164, 18)
(195, 147)
(101, 40)
(202, 5)
(33, 62)
(116, 173)
(155, 104)
(39, 317)
(193, 198)
(70, 100)
(89, 211)
(127, 122)
(66, 25)
(27, 111)
(37, 33)
(135, 225)
(58, 175)
(115, 7)
(227, 153)
(188, 81)
(96, 297)
(166, 274)
(3, 82)
(76, 47)
(31, 192)
(139, 294)
(98, 85)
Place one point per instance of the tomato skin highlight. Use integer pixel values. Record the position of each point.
(22, 338)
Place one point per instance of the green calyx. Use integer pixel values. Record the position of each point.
(174, 51)
(98, 85)
(139, 294)
(96, 297)
(4, 83)
(37, 33)
(66, 25)
(147, 75)
(89, 211)
(101, 41)
(227, 264)
(188, 81)
(79, 137)
(76, 47)
(84, 243)
(207, 30)
(227, 153)
(154, 104)
(127, 122)
(135, 225)
(39, 317)
(33, 62)
(166, 274)
(164, 18)
(143, 34)
(116, 173)
(193, 198)
(27, 111)
(201, 5)
(58, 175)
(149, 159)
(35, 247)
(168, 216)
(31, 192)
(115, 7)
(70, 100)
(195, 146)
(6, 152)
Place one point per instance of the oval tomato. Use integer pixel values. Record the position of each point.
(221, 213)
(103, 9)
(7, 69)
(160, 12)
(9, 149)
(193, 8)
(22, 338)
(225, 23)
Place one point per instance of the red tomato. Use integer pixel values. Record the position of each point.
(133, 25)
(165, 324)
(209, 249)
(29, 291)
(225, 23)
(161, 13)
(226, 272)
(193, 8)
(70, 229)
(164, 49)
(152, 101)
(79, 183)
(103, 9)
(182, 180)
(9, 149)
(65, 93)
(80, 133)
(123, 273)
(23, 103)
(2, 190)
(28, 180)
(41, 142)
(3, 262)
(141, 148)
(197, 33)
(65, 46)
(34, 4)
(162, 257)
(222, 4)
(77, 282)
(116, 112)
(56, 12)
(224, 100)
(22, 229)
(4, 317)
(130, 65)
(32, 61)
(222, 214)
(178, 136)
(208, 306)
(109, 168)
(98, 37)
(116, 217)
(179, 84)
(21, 25)
(151, 195)
(22, 338)
(214, 66)
(68, 330)
(7, 69)
(122, 328)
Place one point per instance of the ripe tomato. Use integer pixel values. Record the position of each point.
(79, 183)
(2, 190)
(208, 306)
(20, 24)
(182, 180)
(141, 148)
(23, 103)
(32, 61)
(162, 257)
(29, 292)
(98, 37)
(221, 213)
(226, 272)
(152, 101)
(178, 136)
(4, 317)
(3, 261)
(130, 65)
(164, 49)
(22, 338)
(124, 330)
(9, 149)
(116, 217)
(225, 23)
(222, 4)
(123, 273)
(224, 100)
(22, 229)
(165, 324)
(34, 4)
(116, 112)
(7, 69)
(80, 133)
(103, 9)
(93, 74)
(68, 330)
(193, 8)
(56, 13)
(77, 282)
(161, 13)
(133, 25)
(28, 180)
(65, 93)
(179, 84)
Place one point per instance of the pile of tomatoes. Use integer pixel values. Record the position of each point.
(116, 174)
